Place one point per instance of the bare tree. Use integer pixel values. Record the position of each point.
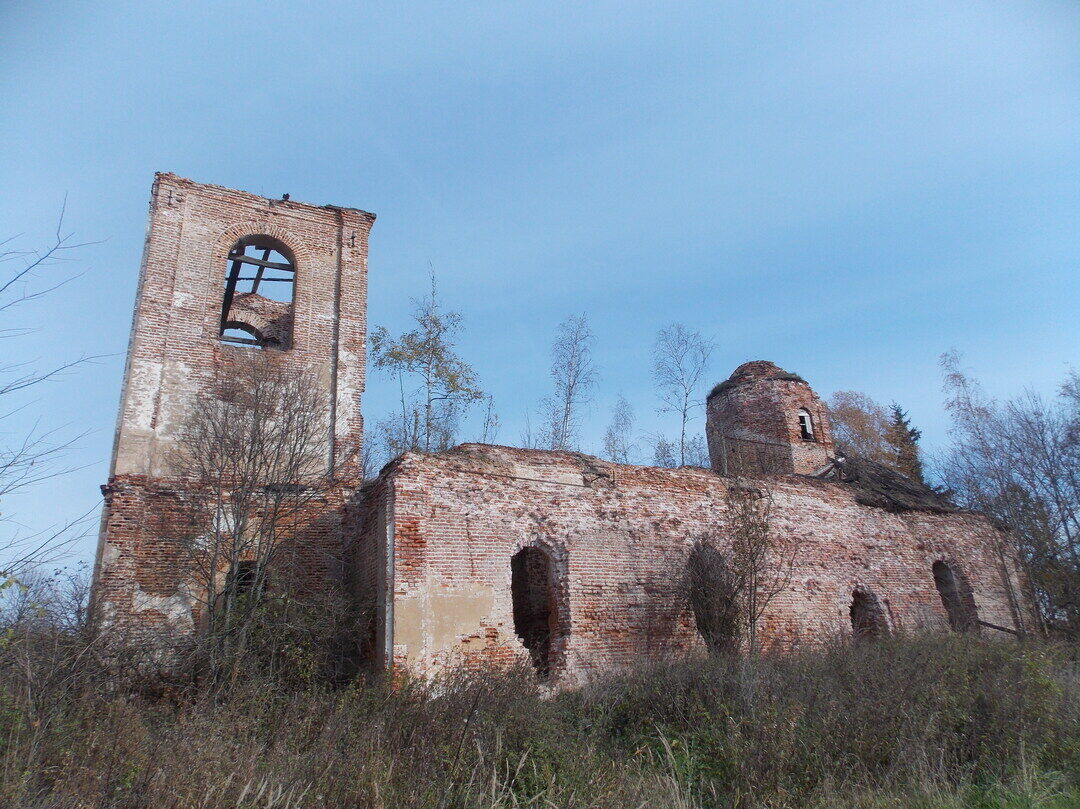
(447, 385)
(680, 357)
(368, 461)
(530, 438)
(254, 457)
(1019, 461)
(619, 444)
(735, 573)
(489, 430)
(574, 377)
(697, 452)
(665, 453)
(761, 560)
(401, 432)
(47, 600)
(27, 459)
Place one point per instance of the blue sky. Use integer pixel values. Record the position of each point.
(847, 189)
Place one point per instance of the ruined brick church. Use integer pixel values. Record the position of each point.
(493, 554)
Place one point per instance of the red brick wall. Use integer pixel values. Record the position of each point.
(427, 548)
(144, 583)
(619, 537)
(175, 353)
(366, 531)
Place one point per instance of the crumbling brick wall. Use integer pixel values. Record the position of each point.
(427, 550)
(619, 537)
(175, 354)
(369, 518)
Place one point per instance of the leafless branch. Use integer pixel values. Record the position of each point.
(1018, 461)
(31, 458)
(254, 457)
(680, 357)
(574, 377)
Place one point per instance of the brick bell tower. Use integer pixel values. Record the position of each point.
(764, 420)
(225, 273)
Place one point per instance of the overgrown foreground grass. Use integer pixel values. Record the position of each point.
(918, 722)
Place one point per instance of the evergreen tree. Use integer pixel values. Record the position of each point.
(903, 439)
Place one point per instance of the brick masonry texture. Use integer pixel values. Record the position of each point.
(426, 550)
(752, 424)
(175, 352)
(619, 536)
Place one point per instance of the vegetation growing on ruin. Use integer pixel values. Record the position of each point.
(934, 721)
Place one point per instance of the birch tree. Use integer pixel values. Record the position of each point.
(619, 446)
(680, 357)
(1019, 461)
(435, 385)
(574, 377)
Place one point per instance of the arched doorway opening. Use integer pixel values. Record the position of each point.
(535, 614)
(956, 597)
(867, 616)
(712, 598)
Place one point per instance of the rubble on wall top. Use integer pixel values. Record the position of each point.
(869, 483)
(285, 200)
(754, 371)
(879, 486)
(497, 458)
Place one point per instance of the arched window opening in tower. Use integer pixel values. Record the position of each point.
(956, 597)
(867, 616)
(806, 425)
(535, 614)
(257, 306)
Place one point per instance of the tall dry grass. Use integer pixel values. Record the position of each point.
(920, 721)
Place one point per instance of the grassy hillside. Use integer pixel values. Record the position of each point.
(925, 722)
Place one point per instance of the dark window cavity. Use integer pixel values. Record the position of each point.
(535, 616)
(243, 577)
(956, 597)
(806, 425)
(867, 616)
(712, 598)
